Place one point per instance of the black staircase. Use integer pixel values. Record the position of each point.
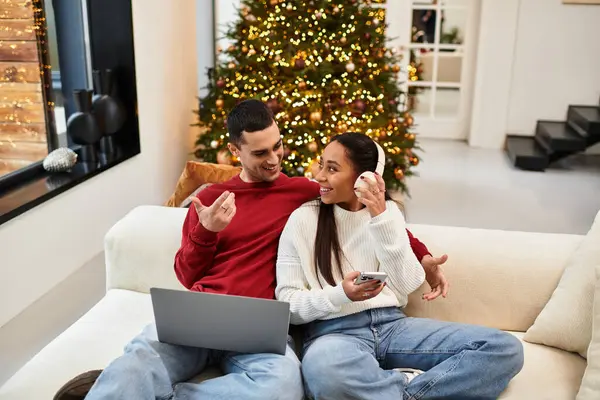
(554, 140)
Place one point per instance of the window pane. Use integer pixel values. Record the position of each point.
(447, 102)
(31, 80)
(454, 24)
(22, 108)
(449, 66)
(419, 100)
(421, 65)
(423, 26)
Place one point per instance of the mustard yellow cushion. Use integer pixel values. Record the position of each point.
(196, 174)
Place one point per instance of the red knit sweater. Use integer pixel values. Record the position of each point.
(240, 260)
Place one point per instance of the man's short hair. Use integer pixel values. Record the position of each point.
(248, 116)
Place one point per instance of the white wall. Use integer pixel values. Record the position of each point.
(556, 62)
(535, 57)
(204, 41)
(44, 246)
(493, 71)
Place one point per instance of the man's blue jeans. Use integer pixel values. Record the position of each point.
(149, 369)
(353, 357)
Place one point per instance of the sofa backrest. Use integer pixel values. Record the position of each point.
(500, 279)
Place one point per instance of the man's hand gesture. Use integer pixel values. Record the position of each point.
(434, 275)
(216, 217)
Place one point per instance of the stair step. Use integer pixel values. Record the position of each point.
(544, 142)
(559, 136)
(526, 153)
(587, 117)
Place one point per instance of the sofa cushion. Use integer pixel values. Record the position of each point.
(566, 321)
(548, 374)
(100, 336)
(590, 387)
(196, 174)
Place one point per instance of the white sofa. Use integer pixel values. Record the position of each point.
(500, 279)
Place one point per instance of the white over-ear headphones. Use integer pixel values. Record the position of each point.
(369, 175)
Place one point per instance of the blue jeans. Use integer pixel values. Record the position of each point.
(353, 357)
(149, 369)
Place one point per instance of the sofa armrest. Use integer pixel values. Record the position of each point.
(140, 249)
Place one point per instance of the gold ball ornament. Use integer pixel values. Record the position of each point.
(312, 146)
(414, 161)
(278, 58)
(290, 6)
(274, 2)
(214, 144)
(219, 103)
(315, 116)
(386, 68)
(336, 10)
(231, 65)
(398, 173)
(380, 107)
(302, 85)
(244, 49)
(396, 68)
(350, 67)
(251, 52)
(231, 48)
(343, 40)
(408, 120)
(224, 157)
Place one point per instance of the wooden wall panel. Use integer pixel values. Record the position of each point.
(16, 9)
(23, 133)
(8, 166)
(20, 87)
(25, 96)
(17, 29)
(26, 151)
(19, 72)
(22, 108)
(25, 113)
(14, 50)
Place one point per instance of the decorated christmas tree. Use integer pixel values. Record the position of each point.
(323, 67)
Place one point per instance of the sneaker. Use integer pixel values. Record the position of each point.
(78, 387)
(410, 373)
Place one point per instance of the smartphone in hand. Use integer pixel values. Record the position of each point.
(365, 277)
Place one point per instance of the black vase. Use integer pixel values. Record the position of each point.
(108, 110)
(82, 126)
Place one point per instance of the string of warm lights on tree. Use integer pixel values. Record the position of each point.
(323, 68)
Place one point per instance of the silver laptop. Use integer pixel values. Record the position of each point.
(221, 322)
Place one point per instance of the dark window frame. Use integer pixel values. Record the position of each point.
(110, 28)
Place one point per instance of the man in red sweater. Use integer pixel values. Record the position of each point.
(229, 246)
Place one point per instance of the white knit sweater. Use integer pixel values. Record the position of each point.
(368, 244)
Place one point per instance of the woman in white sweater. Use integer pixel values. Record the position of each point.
(358, 342)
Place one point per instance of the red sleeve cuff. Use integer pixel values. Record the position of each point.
(202, 236)
(417, 246)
